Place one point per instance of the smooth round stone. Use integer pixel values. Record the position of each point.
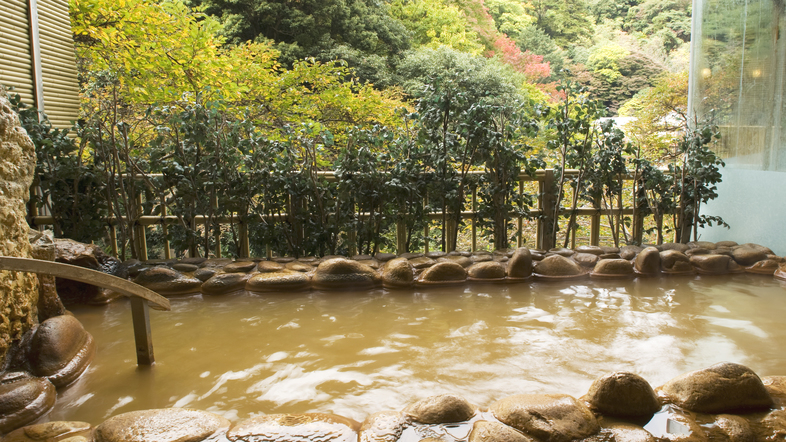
(613, 267)
(726, 244)
(270, 266)
(443, 273)
(384, 426)
(735, 428)
(422, 262)
(558, 265)
(361, 257)
(764, 267)
(225, 283)
(240, 267)
(630, 252)
(586, 259)
(342, 273)
(592, 250)
(610, 256)
(299, 266)
(697, 251)
(373, 263)
(398, 273)
(624, 432)
(185, 268)
(60, 350)
(780, 273)
(161, 262)
(481, 257)
(776, 387)
(384, 257)
(702, 245)
(281, 281)
(162, 425)
(24, 399)
(441, 409)
(673, 261)
(204, 274)
(547, 417)
(286, 259)
(485, 431)
(215, 263)
(721, 388)
(562, 251)
(487, 270)
(435, 254)
(168, 282)
(770, 427)
(50, 432)
(462, 260)
(714, 264)
(193, 260)
(679, 247)
(320, 427)
(609, 250)
(747, 256)
(623, 395)
(410, 255)
(520, 264)
(754, 246)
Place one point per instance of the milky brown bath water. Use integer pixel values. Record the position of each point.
(355, 353)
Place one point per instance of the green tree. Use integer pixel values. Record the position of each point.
(566, 21)
(435, 23)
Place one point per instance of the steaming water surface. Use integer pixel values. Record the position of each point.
(356, 353)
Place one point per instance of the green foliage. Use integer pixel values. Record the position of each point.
(566, 21)
(435, 23)
(510, 16)
(536, 41)
(669, 19)
(604, 61)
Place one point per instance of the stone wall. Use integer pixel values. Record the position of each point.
(18, 291)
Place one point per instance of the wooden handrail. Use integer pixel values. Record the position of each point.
(140, 296)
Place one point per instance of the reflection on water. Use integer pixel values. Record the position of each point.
(357, 353)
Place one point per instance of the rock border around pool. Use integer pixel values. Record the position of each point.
(724, 402)
(221, 276)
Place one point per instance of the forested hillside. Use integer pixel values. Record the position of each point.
(616, 48)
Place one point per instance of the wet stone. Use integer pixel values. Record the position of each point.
(168, 282)
(623, 432)
(764, 267)
(702, 245)
(624, 395)
(776, 387)
(614, 267)
(586, 259)
(186, 268)
(422, 262)
(771, 426)
(610, 250)
(558, 265)
(562, 251)
(441, 409)
(435, 254)
(385, 426)
(547, 417)
(734, 428)
(281, 281)
(240, 267)
(299, 266)
(673, 261)
(697, 251)
(295, 428)
(520, 264)
(462, 260)
(487, 270)
(286, 259)
(225, 283)
(443, 273)
(484, 257)
(398, 273)
(485, 431)
(196, 260)
(162, 425)
(204, 274)
(679, 247)
(721, 388)
(410, 255)
(88, 256)
(711, 263)
(50, 432)
(610, 256)
(270, 266)
(23, 399)
(592, 250)
(215, 263)
(630, 252)
(384, 257)
(728, 244)
(746, 256)
(342, 273)
(60, 350)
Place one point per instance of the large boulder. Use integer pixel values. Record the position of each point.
(295, 428)
(239, 267)
(613, 268)
(486, 431)
(60, 350)
(623, 395)
(17, 165)
(586, 259)
(490, 270)
(648, 261)
(89, 256)
(344, 274)
(763, 267)
(443, 273)
(383, 426)
(558, 266)
(674, 261)
(441, 409)
(168, 282)
(162, 425)
(520, 264)
(23, 399)
(278, 282)
(747, 255)
(711, 263)
(547, 417)
(721, 388)
(398, 273)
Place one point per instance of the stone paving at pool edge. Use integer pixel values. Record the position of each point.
(702, 402)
